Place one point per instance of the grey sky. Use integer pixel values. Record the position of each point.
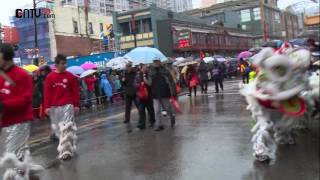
(8, 6)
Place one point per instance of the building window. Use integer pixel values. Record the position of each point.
(277, 17)
(124, 28)
(244, 27)
(101, 27)
(256, 14)
(90, 28)
(245, 15)
(102, 11)
(146, 23)
(101, 4)
(75, 27)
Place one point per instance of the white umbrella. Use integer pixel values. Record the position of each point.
(180, 59)
(317, 63)
(208, 59)
(87, 73)
(187, 63)
(118, 63)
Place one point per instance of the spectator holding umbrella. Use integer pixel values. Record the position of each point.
(203, 75)
(217, 74)
(162, 89)
(244, 70)
(130, 91)
(144, 98)
(106, 87)
(90, 84)
(192, 79)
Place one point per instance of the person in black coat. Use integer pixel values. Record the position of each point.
(217, 74)
(203, 76)
(130, 86)
(162, 88)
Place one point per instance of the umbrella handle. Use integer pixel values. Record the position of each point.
(7, 78)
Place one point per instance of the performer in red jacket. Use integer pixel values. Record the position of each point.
(16, 90)
(61, 103)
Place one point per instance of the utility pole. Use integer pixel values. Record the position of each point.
(35, 60)
(263, 20)
(133, 29)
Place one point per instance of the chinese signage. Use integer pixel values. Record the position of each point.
(184, 39)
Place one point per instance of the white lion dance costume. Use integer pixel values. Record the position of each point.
(274, 97)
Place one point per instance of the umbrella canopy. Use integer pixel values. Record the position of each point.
(87, 73)
(145, 55)
(30, 68)
(316, 54)
(184, 69)
(118, 63)
(208, 59)
(317, 63)
(187, 63)
(245, 54)
(299, 42)
(180, 59)
(88, 65)
(76, 70)
(181, 62)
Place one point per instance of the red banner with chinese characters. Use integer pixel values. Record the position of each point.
(10, 35)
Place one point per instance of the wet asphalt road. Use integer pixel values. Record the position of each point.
(210, 142)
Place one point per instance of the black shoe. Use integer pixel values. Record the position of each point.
(125, 121)
(151, 125)
(159, 128)
(173, 122)
(141, 127)
(189, 95)
(217, 92)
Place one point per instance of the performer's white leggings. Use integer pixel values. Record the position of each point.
(13, 139)
(64, 127)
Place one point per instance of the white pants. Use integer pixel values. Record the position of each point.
(162, 104)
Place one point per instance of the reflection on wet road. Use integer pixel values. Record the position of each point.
(210, 142)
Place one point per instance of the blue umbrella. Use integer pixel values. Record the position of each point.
(76, 70)
(299, 42)
(145, 55)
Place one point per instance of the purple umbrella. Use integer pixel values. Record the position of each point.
(88, 65)
(245, 54)
(76, 70)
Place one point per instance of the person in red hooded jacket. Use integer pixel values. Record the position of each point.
(16, 90)
(61, 103)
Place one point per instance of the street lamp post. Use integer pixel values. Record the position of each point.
(36, 48)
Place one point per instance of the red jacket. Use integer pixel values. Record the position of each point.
(61, 89)
(16, 100)
(90, 83)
